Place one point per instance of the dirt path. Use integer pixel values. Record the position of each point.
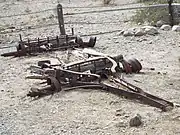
(91, 112)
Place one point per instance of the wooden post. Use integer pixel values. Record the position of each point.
(170, 7)
(72, 30)
(60, 19)
(20, 37)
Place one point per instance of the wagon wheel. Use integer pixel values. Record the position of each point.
(92, 42)
(126, 66)
(135, 64)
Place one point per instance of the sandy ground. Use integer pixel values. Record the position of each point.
(88, 112)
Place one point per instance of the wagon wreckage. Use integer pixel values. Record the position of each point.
(96, 71)
(99, 71)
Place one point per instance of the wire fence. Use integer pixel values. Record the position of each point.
(77, 13)
(55, 24)
(118, 8)
(87, 12)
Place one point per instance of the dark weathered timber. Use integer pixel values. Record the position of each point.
(60, 19)
(171, 17)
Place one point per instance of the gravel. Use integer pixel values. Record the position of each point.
(88, 112)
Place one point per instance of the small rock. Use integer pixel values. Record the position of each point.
(29, 27)
(118, 114)
(140, 32)
(128, 33)
(116, 41)
(151, 30)
(126, 116)
(176, 28)
(115, 37)
(152, 68)
(120, 124)
(51, 16)
(12, 27)
(150, 42)
(165, 73)
(113, 102)
(136, 121)
(160, 23)
(121, 32)
(165, 27)
(119, 110)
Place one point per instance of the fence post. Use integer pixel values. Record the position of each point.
(60, 19)
(170, 7)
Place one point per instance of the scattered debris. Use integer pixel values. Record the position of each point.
(135, 121)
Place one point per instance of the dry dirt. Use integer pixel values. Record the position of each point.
(87, 112)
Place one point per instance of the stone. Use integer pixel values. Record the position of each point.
(120, 124)
(176, 28)
(151, 30)
(165, 27)
(160, 23)
(115, 37)
(121, 32)
(135, 121)
(140, 32)
(128, 33)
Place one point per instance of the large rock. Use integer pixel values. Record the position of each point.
(136, 121)
(176, 28)
(160, 23)
(165, 27)
(140, 32)
(128, 33)
(151, 30)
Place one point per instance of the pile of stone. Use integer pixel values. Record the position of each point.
(150, 30)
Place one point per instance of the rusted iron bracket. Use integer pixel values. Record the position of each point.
(35, 46)
(74, 75)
